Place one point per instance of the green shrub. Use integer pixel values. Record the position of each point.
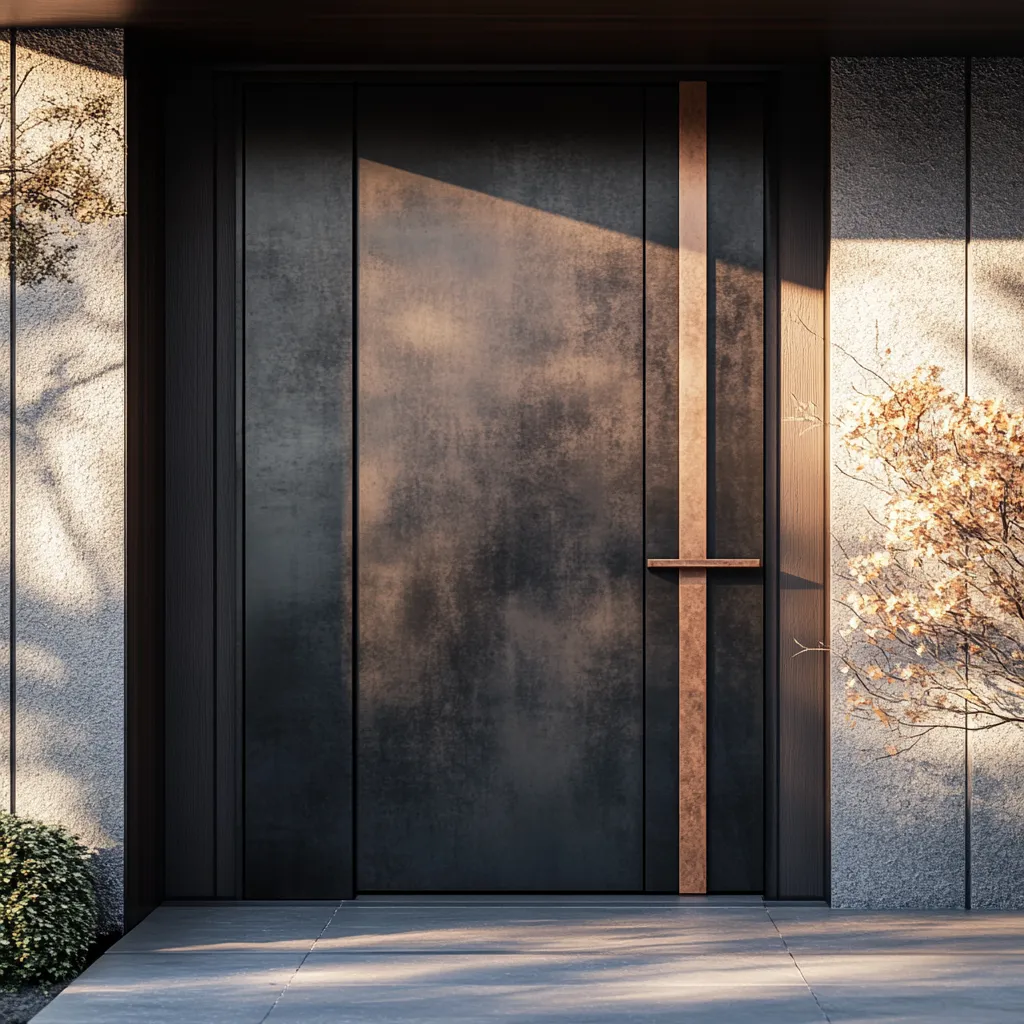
(48, 910)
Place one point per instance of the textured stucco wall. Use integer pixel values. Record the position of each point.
(898, 270)
(5, 442)
(68, 458)
(905, 134)
(996, 369)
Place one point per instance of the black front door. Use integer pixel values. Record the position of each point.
(500, 500)
(459, 439)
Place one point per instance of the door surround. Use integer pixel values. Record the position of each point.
(198, 305)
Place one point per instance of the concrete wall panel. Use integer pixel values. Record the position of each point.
(5, 426)
(996, 369)
(69, 452)
(897, 281)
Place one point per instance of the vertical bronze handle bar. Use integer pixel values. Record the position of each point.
(693, 485)
(693, 562)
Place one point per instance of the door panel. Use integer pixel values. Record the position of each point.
(661, 485)
(735, 764)
(500, 496)
(297, 282)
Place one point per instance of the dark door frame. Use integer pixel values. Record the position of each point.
(180, 624)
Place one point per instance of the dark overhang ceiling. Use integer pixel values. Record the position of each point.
(579, 30)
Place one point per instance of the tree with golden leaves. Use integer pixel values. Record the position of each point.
(935, 633)
(55, 180)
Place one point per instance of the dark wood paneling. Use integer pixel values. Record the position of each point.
(144, 490)
(227, 782)
(298, 491)
(661, 480)
(189, 482)
(772, 115)
(500, 703)
(802, 706)
(735, 486)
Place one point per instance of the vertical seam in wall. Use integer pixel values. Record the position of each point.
(826, 500)
(127, 560)
(354, 458)
(967, 381)
(12, 439)
(239, 101)
(217, 412)
(644, 93)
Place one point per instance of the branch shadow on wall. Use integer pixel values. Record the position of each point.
(63, 239)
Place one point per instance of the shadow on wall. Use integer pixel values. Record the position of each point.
(939, 746)
(903, 277)
(65, 233)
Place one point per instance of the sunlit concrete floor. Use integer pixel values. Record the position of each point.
(555, 959)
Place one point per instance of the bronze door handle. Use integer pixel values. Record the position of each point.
(703, 563)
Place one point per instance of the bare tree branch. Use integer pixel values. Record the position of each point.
(942, 586)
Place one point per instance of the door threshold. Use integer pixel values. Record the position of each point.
(548, 899)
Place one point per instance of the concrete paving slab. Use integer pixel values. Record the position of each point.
(551, 928)
(560, 960)
(596, 968)
(228, 928)
(174, 988)
(856, 986)
(525, 987)
(854, 1005)
(822, 930)
(918, 972)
